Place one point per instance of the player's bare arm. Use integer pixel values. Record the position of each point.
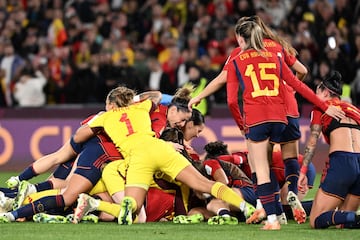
(315, 131)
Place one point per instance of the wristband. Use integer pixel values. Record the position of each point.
(304, 169)
(136, 98)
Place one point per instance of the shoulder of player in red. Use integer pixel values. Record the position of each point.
(160, 109)
(87, 119)
(234, 53)
(158, 119)
(350, 110)
(275, 47)
(318, 117)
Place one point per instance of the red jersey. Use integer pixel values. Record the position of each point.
(258, 76)
(107, 144)
(233, 98)
(87, 119)
(289, 93)
(233, 54)
(158, 119)
(239, 159)
(277, 164)
(328, 123)
(155, 211)
(236, 177)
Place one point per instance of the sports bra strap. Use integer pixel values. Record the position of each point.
(335, 124)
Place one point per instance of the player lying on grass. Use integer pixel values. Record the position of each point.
(229, 174)
(88, 168)
(219, 150)
(144, 155)
(172, 194)
(64, 158)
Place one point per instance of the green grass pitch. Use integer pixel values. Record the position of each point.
(165, 231)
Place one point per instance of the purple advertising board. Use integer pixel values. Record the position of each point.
(22, 141)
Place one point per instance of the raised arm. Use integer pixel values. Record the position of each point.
(307, 93)
(212, 87)
(154, 96)
(84, 133)
(300, 69)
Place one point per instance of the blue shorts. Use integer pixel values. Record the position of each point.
(343, 175)
(77, 147)
(91, 160)
(269, 130)
(292, 131)
(311, 174)
(63, 170)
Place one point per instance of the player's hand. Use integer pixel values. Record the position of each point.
(178, 147)
(189, 148)
(335, 112)
(194, 101)
(303, 183)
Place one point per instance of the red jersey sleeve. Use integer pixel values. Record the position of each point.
(86, 120)
(316, 115)
(232, 89)
(211, 166)
(289, 59)
(300, 87)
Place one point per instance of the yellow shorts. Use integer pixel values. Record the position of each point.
(98, 188)
(149, 156)
(111, 179)
(113, 176)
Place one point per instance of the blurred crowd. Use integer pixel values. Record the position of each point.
(60, 52)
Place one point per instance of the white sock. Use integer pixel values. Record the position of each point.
(242, 206)
(258, 204)
(271, 218)
(95, 202)
(31, 189)
(9, 216)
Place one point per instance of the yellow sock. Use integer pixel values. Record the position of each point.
(36, 196)
(223, 192)
(110, 208)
